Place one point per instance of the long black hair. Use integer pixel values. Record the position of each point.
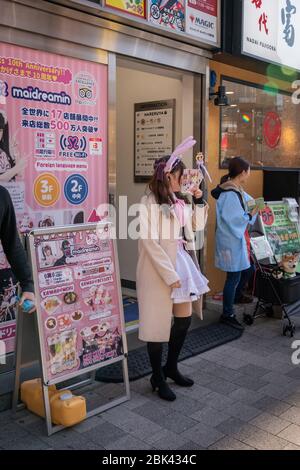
(235, 168)
(4, 142)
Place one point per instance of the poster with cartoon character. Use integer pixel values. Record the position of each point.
(80, 312)
(168, 14)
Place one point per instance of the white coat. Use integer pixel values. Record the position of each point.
(156, 268)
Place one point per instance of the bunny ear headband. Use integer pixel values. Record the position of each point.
(167, 167)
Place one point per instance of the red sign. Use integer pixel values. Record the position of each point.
(268, 216)
(205, 6)
(272, 129)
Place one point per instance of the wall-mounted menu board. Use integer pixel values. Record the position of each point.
(154, 135)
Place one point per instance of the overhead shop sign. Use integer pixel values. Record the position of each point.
(271, 31)
(196, 19)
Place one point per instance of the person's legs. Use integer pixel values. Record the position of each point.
(229, 292)
(245, 277)
(158, 380)
(182, 321)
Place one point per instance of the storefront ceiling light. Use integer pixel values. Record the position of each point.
(229, 92)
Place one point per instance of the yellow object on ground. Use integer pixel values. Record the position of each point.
(66, 409)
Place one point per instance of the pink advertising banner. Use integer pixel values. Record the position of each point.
(53, 139)
(80, 311)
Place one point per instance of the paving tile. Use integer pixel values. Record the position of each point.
(294, 373)
(187, 405)
(141, 428)
(293, 399)
(27, 443)
(292, 415)
(231, 426)
(244, 432)
(128, 443)
(5, 417)
(203, 378)
(270, 423)
(259, 439)
(222, 386)
(218, 401)
(278, 391)
(119, 415)
(104, 435)
(228, 374)
(250, 382)
(272, 405)
(277, 378)
(196, 391)
(136, 401)
(89, 424)
(68, 439)
(242, 411)
(291, 434)
(203, 435)
(246, 396)
(155, 411)
(292, 447)
(210, 416)
(177, 422)
(12, 432)
(189, 445)
(229, 443)
(167, 440)
(253, 370)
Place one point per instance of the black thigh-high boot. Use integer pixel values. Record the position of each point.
(177, 337)
(158, 380)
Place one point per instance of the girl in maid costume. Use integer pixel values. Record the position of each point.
(10, 162)
(169, 279)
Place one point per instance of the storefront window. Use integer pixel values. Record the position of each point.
(261, 124)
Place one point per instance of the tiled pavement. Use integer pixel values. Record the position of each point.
(246, 396)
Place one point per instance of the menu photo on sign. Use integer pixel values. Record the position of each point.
(80, 315)
(202, 19)
(154, 135)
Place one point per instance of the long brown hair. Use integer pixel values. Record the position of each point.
(161, 187)
(235, 168)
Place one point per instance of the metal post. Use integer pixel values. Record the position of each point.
(18, 359)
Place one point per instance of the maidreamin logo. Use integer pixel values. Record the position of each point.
(35, 94)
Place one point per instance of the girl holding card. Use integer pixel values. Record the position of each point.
(169, 279)
(232, 252)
